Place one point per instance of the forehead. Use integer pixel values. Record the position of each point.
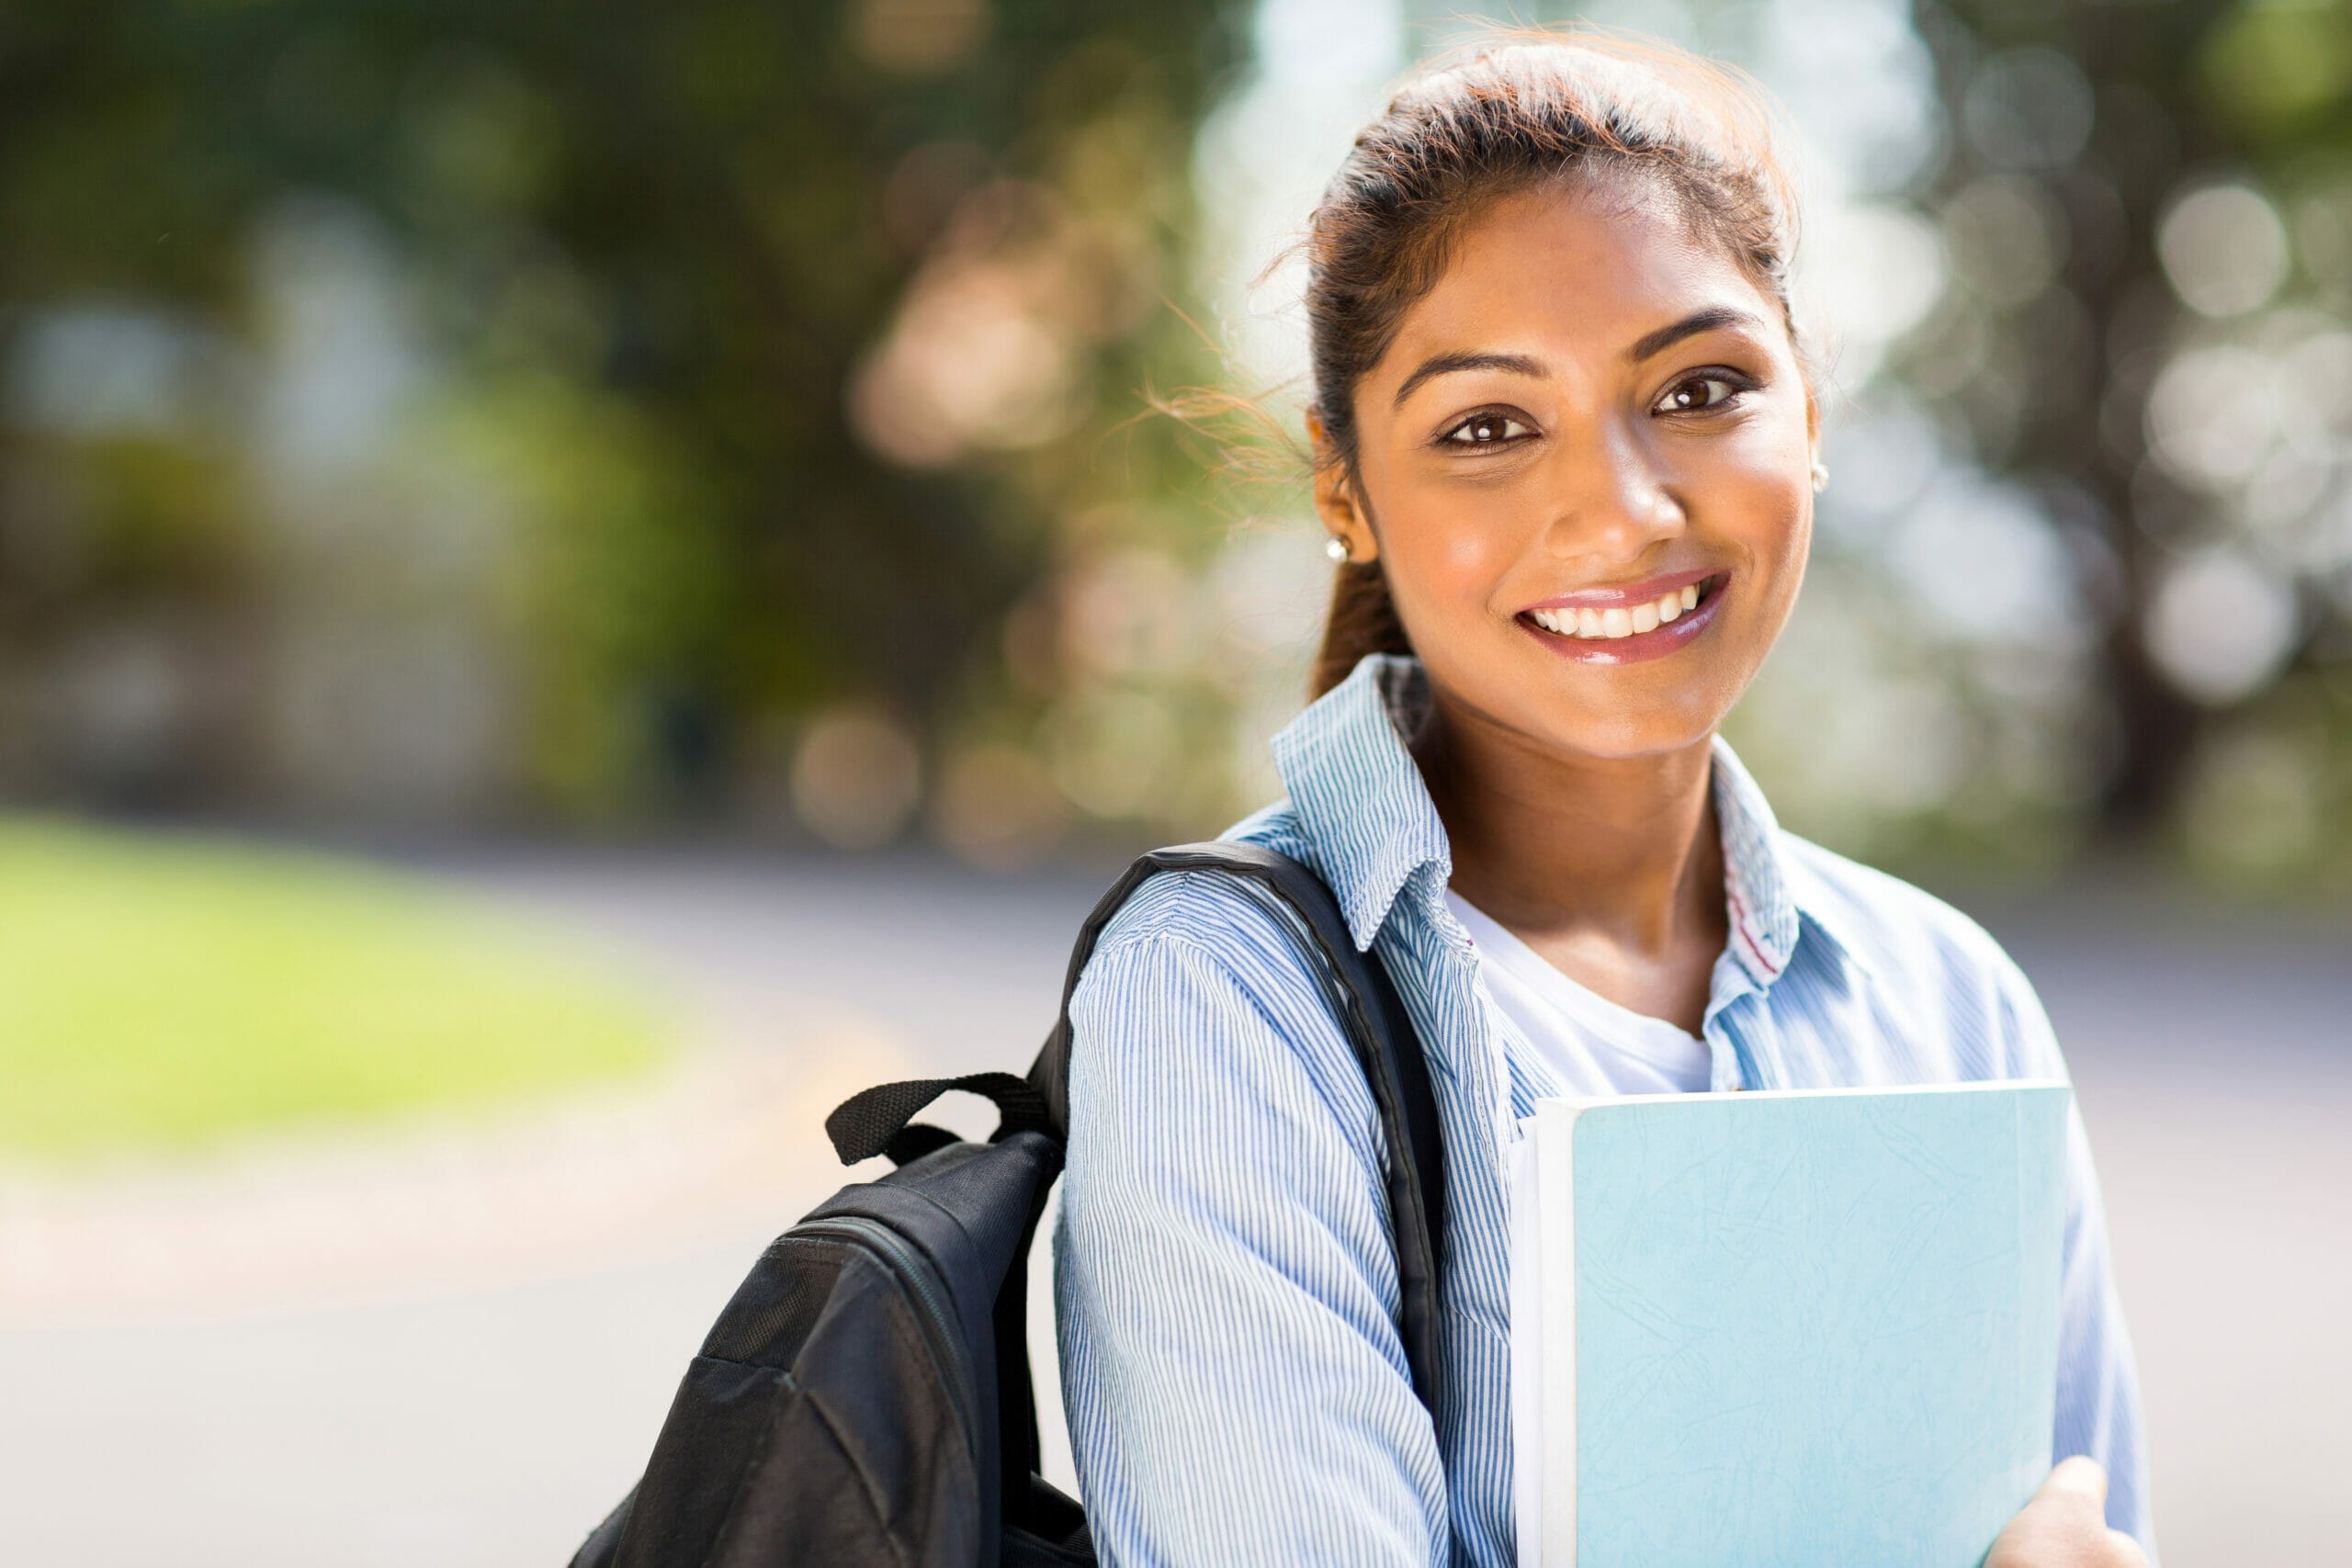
(1581, 266)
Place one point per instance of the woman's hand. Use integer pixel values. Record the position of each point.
(2065, 1524)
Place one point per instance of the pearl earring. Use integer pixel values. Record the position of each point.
(1336, 548)
(1820, 476)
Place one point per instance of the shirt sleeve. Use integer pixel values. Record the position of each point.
(2098, 1378)
(1226, 1278)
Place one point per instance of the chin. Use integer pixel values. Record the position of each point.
(1624, 732)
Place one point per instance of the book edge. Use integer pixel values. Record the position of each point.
(1556, 1499)
(1744, 1096)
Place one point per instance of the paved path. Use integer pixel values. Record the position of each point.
(489, 1419)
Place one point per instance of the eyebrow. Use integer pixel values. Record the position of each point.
(1438, 364)
(1713, 318)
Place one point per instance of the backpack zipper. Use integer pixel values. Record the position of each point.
(904, 1264)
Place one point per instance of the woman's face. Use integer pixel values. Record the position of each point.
(1589, 420)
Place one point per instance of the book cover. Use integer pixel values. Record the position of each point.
(1790, 1326)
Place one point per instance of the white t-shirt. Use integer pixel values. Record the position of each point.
(1593, 1045)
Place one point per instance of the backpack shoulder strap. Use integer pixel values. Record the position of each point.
(1374, 1017)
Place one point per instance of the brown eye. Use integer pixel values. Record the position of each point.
(1486, 430)
(1683, 399)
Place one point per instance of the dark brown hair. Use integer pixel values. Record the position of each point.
(1507, 111)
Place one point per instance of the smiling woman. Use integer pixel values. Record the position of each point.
(1566, 436)
(1586, 445)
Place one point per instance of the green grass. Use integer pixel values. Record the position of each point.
(157, 994)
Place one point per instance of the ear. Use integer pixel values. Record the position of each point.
(1811, 422)
(1335, 503)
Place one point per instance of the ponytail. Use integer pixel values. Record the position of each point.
(1363, 619)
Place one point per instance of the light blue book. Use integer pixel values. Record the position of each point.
(1800, 1328)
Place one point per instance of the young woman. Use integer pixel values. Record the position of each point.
(1565, 439)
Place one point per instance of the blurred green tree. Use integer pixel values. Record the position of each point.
(2152, 205)
(792, 334)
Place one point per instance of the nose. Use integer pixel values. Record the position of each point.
(1608, 496)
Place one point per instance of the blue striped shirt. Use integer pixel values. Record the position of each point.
(1224, 1279)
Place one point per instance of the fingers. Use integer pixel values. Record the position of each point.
(2078, 1475)
(2066, 1522)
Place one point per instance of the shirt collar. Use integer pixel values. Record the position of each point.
(1362, 802)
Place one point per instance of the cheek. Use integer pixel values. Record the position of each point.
(1778, 532)
(1755, 497)
(1470, 559)
(1777, 527)
(1453, 561)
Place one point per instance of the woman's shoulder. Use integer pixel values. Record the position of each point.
(1203, 977)
(1924, 948)
(1882, 910)
(1223, 918)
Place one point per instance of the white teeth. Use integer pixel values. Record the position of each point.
(1620, 622)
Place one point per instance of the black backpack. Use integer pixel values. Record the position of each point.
(865, 1399)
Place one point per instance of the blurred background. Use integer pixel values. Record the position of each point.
(577, 583)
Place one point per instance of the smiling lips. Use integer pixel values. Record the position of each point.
(1624, 611)
(1639, 621)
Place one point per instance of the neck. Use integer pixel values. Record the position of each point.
(1626, 850)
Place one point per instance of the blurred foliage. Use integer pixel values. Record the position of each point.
(133, 966)
(724, 412)
(582, 294)
(2143, 200)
